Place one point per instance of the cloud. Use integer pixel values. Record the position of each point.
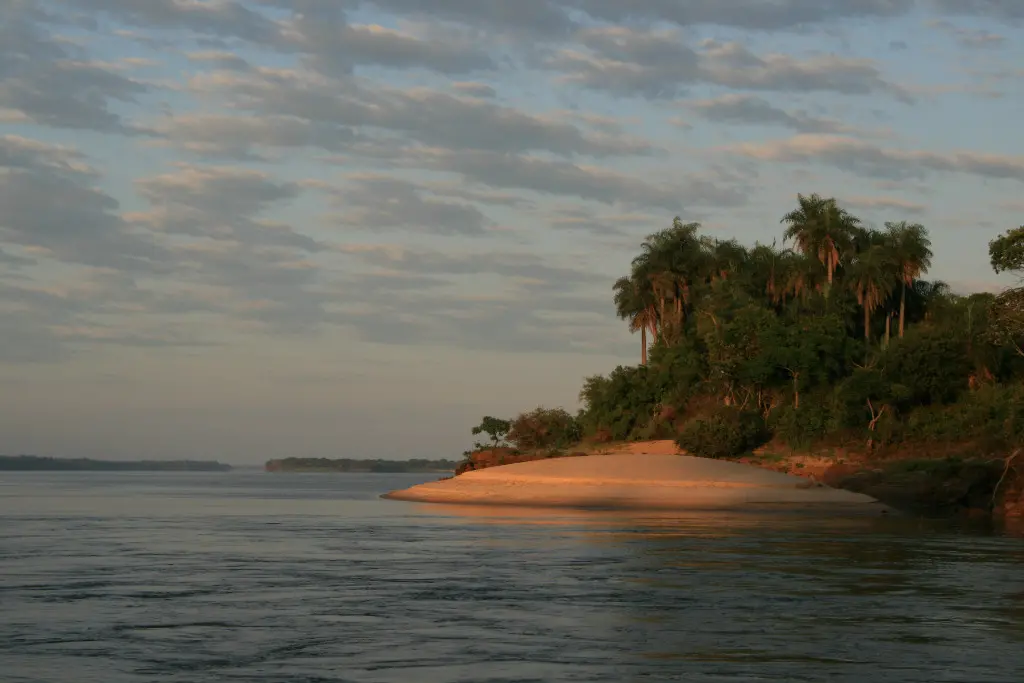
(752, 110)
(870, 160)
(299, 101)
(746, 14)
(43, 82)
(554, 178)
(658, 64)
(531, 17)
(49, 203)
(221, 203)
(222, 18)
(322, 31)
(381, 202)
(968, 38)
(538, 306)
(885, 203)
(475, 89)
(998, 9)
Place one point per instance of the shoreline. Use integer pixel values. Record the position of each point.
(632, 481)
(909, 482)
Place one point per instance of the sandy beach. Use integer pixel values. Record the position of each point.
(651, 481)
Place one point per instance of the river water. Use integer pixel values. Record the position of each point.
(246, 576)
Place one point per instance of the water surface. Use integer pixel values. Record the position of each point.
(245, 576)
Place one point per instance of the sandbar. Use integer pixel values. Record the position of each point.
(638, 482)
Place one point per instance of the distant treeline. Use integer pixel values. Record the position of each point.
(36, 463)
(349, 465)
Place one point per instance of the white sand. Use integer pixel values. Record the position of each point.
(632, 481)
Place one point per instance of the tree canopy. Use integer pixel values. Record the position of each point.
(835, 335)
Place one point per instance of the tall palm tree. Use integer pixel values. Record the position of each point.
(911, 251)
(873, 277)
(670, 260)
(636, 305)
(821, 228)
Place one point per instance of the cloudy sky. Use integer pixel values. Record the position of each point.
(242, 229)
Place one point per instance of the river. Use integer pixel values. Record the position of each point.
(246, 576)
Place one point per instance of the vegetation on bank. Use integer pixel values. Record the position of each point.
(832, 339)
(350, 465)
(32, 463)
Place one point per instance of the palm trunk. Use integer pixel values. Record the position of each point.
(643, 349)
(867, 324)
(888, 325)
(903, 307)
(662, 300)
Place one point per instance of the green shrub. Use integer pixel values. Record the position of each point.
(544, 428)
(799, 427)
(726, 433)
(928, 366)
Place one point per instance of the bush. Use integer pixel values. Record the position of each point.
(928, 366)
(726, 433)
(800, 427)
(544, 428)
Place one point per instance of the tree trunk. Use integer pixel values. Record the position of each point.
(643, 349)
(867, 324)
(662, 300)
(903, 307)
(888, 325)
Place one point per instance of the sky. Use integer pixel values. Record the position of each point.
(246, 229)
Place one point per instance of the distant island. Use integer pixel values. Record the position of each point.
(350, 465)
(33, 463)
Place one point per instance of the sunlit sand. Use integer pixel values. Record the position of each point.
(639, 482)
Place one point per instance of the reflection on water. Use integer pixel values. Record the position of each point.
(118, 578)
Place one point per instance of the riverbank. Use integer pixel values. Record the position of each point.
(646, 481)
(950, 484)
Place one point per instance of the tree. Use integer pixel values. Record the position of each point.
(821, 229)
(1007, 251)
(872, 278)
(634, 302)
(911, 251)
(493, 427)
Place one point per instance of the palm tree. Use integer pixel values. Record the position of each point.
(872, 277)
(911, 251)
(822, 229)
(634, 304)
(669, 260)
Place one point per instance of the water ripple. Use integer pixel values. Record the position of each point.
(118, 578)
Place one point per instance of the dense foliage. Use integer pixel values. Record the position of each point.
(835, 337)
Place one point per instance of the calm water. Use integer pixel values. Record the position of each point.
(122, 578)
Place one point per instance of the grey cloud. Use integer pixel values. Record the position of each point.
(545, 17)
(999, 9)
(245, 138)
(563, 178)
(49, 202)
(382, 202)
(224, 18)
(732, 65)
(865, 158)
(336, 46)
(9, 260)
(426, 116)
(549, 308)
(657, 64)
(748, 14)
(221, 203)
(506, 264)
(221, 59)
(48, 85)
(969, 38)
(748, 109)
(475, 89)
